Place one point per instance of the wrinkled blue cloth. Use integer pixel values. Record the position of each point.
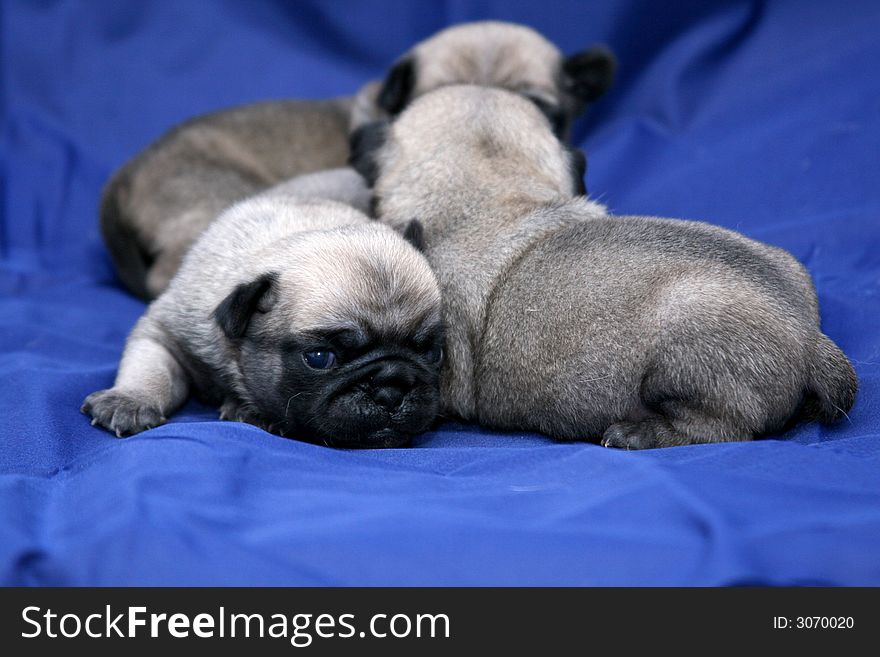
(758, 116)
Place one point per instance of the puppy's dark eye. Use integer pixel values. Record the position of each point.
(319, 360)
(435, 355)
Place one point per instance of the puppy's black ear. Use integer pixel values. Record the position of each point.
(414, 233)
(578, 164)
(555, 115)
(588, 74)
(235, 311)
(398, 86)
(365, 142)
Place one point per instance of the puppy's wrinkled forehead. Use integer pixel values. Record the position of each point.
(365, 276)
(488, 53)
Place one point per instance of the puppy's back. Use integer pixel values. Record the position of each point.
(170, 191)
(637, 310)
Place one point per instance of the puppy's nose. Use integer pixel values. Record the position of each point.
(389, 397)
(389, 383)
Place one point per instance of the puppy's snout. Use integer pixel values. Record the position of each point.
(389, 397)
(390, 384)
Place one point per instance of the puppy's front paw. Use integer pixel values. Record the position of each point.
(234, 411)
(631, 435)
(122, 412)
(238, 411)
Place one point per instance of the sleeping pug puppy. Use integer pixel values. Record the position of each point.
(636, 331)
(157, 204)
(294, 313)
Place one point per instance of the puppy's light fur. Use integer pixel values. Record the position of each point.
(638, 331)
(275, 276)
(157, 204)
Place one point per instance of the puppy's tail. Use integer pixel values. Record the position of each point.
(131, 261)
(833, 386)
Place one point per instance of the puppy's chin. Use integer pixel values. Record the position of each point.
(381, 439)
(353, 419)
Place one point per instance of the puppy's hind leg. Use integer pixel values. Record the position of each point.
(150, 385)
(694, 392)
(711, 389)
(726, 366)
(680, 424)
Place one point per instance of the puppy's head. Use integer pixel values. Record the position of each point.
(503, 55)
(465, 149)
(340, 340)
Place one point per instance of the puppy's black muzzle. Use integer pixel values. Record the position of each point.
(381, 401)
(388, 382)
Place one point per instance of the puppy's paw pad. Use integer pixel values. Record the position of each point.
(122, 413)
(630, 435)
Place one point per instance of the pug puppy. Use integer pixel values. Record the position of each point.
(294, 313)
(157, 204)
(636, 331)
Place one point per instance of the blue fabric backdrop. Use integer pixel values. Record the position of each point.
(759, 116)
